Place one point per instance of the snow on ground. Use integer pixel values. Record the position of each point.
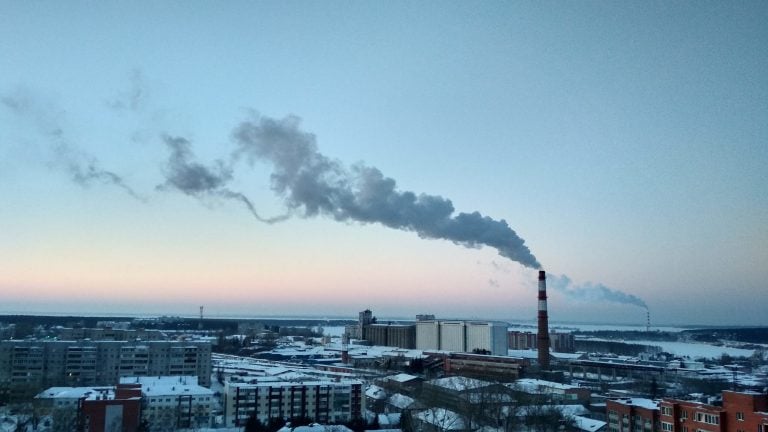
(696, 350)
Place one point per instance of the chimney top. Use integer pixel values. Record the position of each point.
(542, 275)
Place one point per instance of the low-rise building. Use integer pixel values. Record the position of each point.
(95, 409)
(174, 402)
(553, 392)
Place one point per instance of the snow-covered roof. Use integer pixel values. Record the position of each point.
(375, 392)
(310, 382)
(639, 402)
(531, 385)
(588, 424)
(459, 383)
(175, 390)
(76, 393)
(316, 428)
(568, 410)
(168, 385)
(400, 401)
(442, 418)
(402, 378)
(390, 419)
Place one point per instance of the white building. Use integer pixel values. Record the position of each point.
(487, 336)
(322, 401)
(462, 336)
(172, 403)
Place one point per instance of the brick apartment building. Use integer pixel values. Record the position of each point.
(740, 412)
(97, 409)
(632, 415)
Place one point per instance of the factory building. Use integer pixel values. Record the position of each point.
(326, 402)
(560, 341)
(462, 336)
(393, 335)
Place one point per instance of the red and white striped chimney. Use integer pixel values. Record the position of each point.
(543, 336)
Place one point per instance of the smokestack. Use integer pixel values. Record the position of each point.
(543, 337)
(345, 348)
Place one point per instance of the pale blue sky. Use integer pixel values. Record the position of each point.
(626, 142)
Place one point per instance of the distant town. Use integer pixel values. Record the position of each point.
(429, 374)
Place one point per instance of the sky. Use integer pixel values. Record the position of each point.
(320, 158)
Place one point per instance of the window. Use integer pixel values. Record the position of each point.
(666, 426)
(740, 416)
(665, 410)
(683, 414)
(708, 418)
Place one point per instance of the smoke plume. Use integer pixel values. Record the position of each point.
(592, 292)
(134, 98)
(199, 181)
(312, 184)
(82, 168)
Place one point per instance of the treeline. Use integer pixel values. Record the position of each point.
(756, 335)
(630, 335)
(614, 347)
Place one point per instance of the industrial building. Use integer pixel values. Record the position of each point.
(462, 336)
(393, 335)
(322, 401)
(560, 341)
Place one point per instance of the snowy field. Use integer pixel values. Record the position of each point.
(696, 350)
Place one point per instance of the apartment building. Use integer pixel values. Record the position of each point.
(740, 412)
(633, 415)
(173, 403)
(325, 402)
(109, 333)
(28, 366)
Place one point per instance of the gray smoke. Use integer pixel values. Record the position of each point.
(199, 181)
(82, 168)
(592, 292)
(313, 184)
